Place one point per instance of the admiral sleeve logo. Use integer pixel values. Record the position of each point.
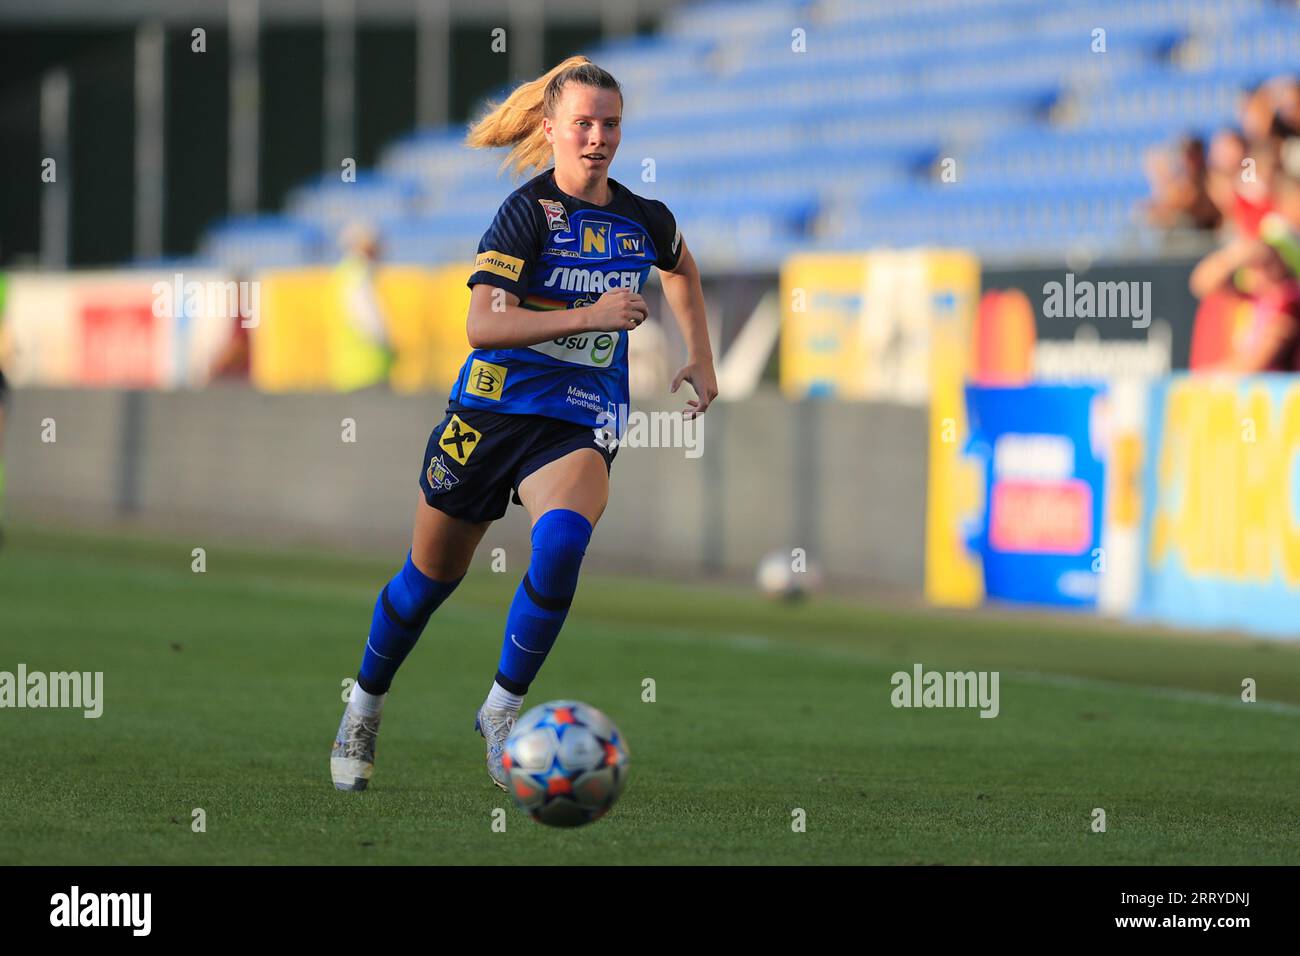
(498, 263)
(487, 380)
(458, 440)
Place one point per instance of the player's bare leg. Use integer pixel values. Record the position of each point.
(442, 548)
(565, 498)
(579, 481)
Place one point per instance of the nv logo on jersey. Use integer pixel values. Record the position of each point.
(630, 245)
(595, 241)
(458, 440)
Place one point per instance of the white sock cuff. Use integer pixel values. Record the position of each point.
(368, 704)
(499, 698)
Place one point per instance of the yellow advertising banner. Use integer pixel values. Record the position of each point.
(423, 311)
(954, 576)
(821, 352)
(896, 325)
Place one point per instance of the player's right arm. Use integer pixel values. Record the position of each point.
(496, 321)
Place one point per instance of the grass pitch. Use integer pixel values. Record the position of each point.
(222, 692)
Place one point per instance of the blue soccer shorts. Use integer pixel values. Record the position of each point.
(475, 459)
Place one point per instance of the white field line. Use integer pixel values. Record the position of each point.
(760, 644)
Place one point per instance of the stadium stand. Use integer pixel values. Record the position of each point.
(1046, 121)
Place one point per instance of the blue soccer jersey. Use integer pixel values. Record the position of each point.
(554, 251)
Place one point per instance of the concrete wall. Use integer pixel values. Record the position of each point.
(844, 481)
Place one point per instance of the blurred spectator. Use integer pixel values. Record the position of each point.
(1249, 318)
(1254, 322)
(1179, 187)
(1254, 199)
(1272, 110)
(359, 347)
(1286, 107)
(234, 362)
(1224, 168)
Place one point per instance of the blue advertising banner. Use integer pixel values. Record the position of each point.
(1040, 538)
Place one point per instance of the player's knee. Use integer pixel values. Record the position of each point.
(560, 540)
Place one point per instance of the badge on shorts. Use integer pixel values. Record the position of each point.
(439, 475)
(486, 380)
(459, 440)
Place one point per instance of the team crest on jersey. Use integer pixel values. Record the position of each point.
(458, 440)
(595, 240)
(487, 380)
(440, 476)
(557, 219)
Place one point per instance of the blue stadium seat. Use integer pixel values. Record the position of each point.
(760, 149)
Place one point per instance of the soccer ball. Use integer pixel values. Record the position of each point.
(567, 763)
(782, 577)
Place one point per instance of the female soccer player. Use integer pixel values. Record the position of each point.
(555, 292)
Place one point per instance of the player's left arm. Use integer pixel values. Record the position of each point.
(685, 297)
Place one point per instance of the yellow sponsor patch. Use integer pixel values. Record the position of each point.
(593, 238)
(486, 380)
(458, 440)
(498, 263)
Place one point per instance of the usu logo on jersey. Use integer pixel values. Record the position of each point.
(596, 351)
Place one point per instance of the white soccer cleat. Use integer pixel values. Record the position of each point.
(352, 760)
(494, 726)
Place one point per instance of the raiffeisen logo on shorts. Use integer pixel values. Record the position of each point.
(77, 909)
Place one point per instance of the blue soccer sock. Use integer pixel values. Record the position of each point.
(401, 613)
(542, 599)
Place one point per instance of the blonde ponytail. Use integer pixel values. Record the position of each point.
(517, 122)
